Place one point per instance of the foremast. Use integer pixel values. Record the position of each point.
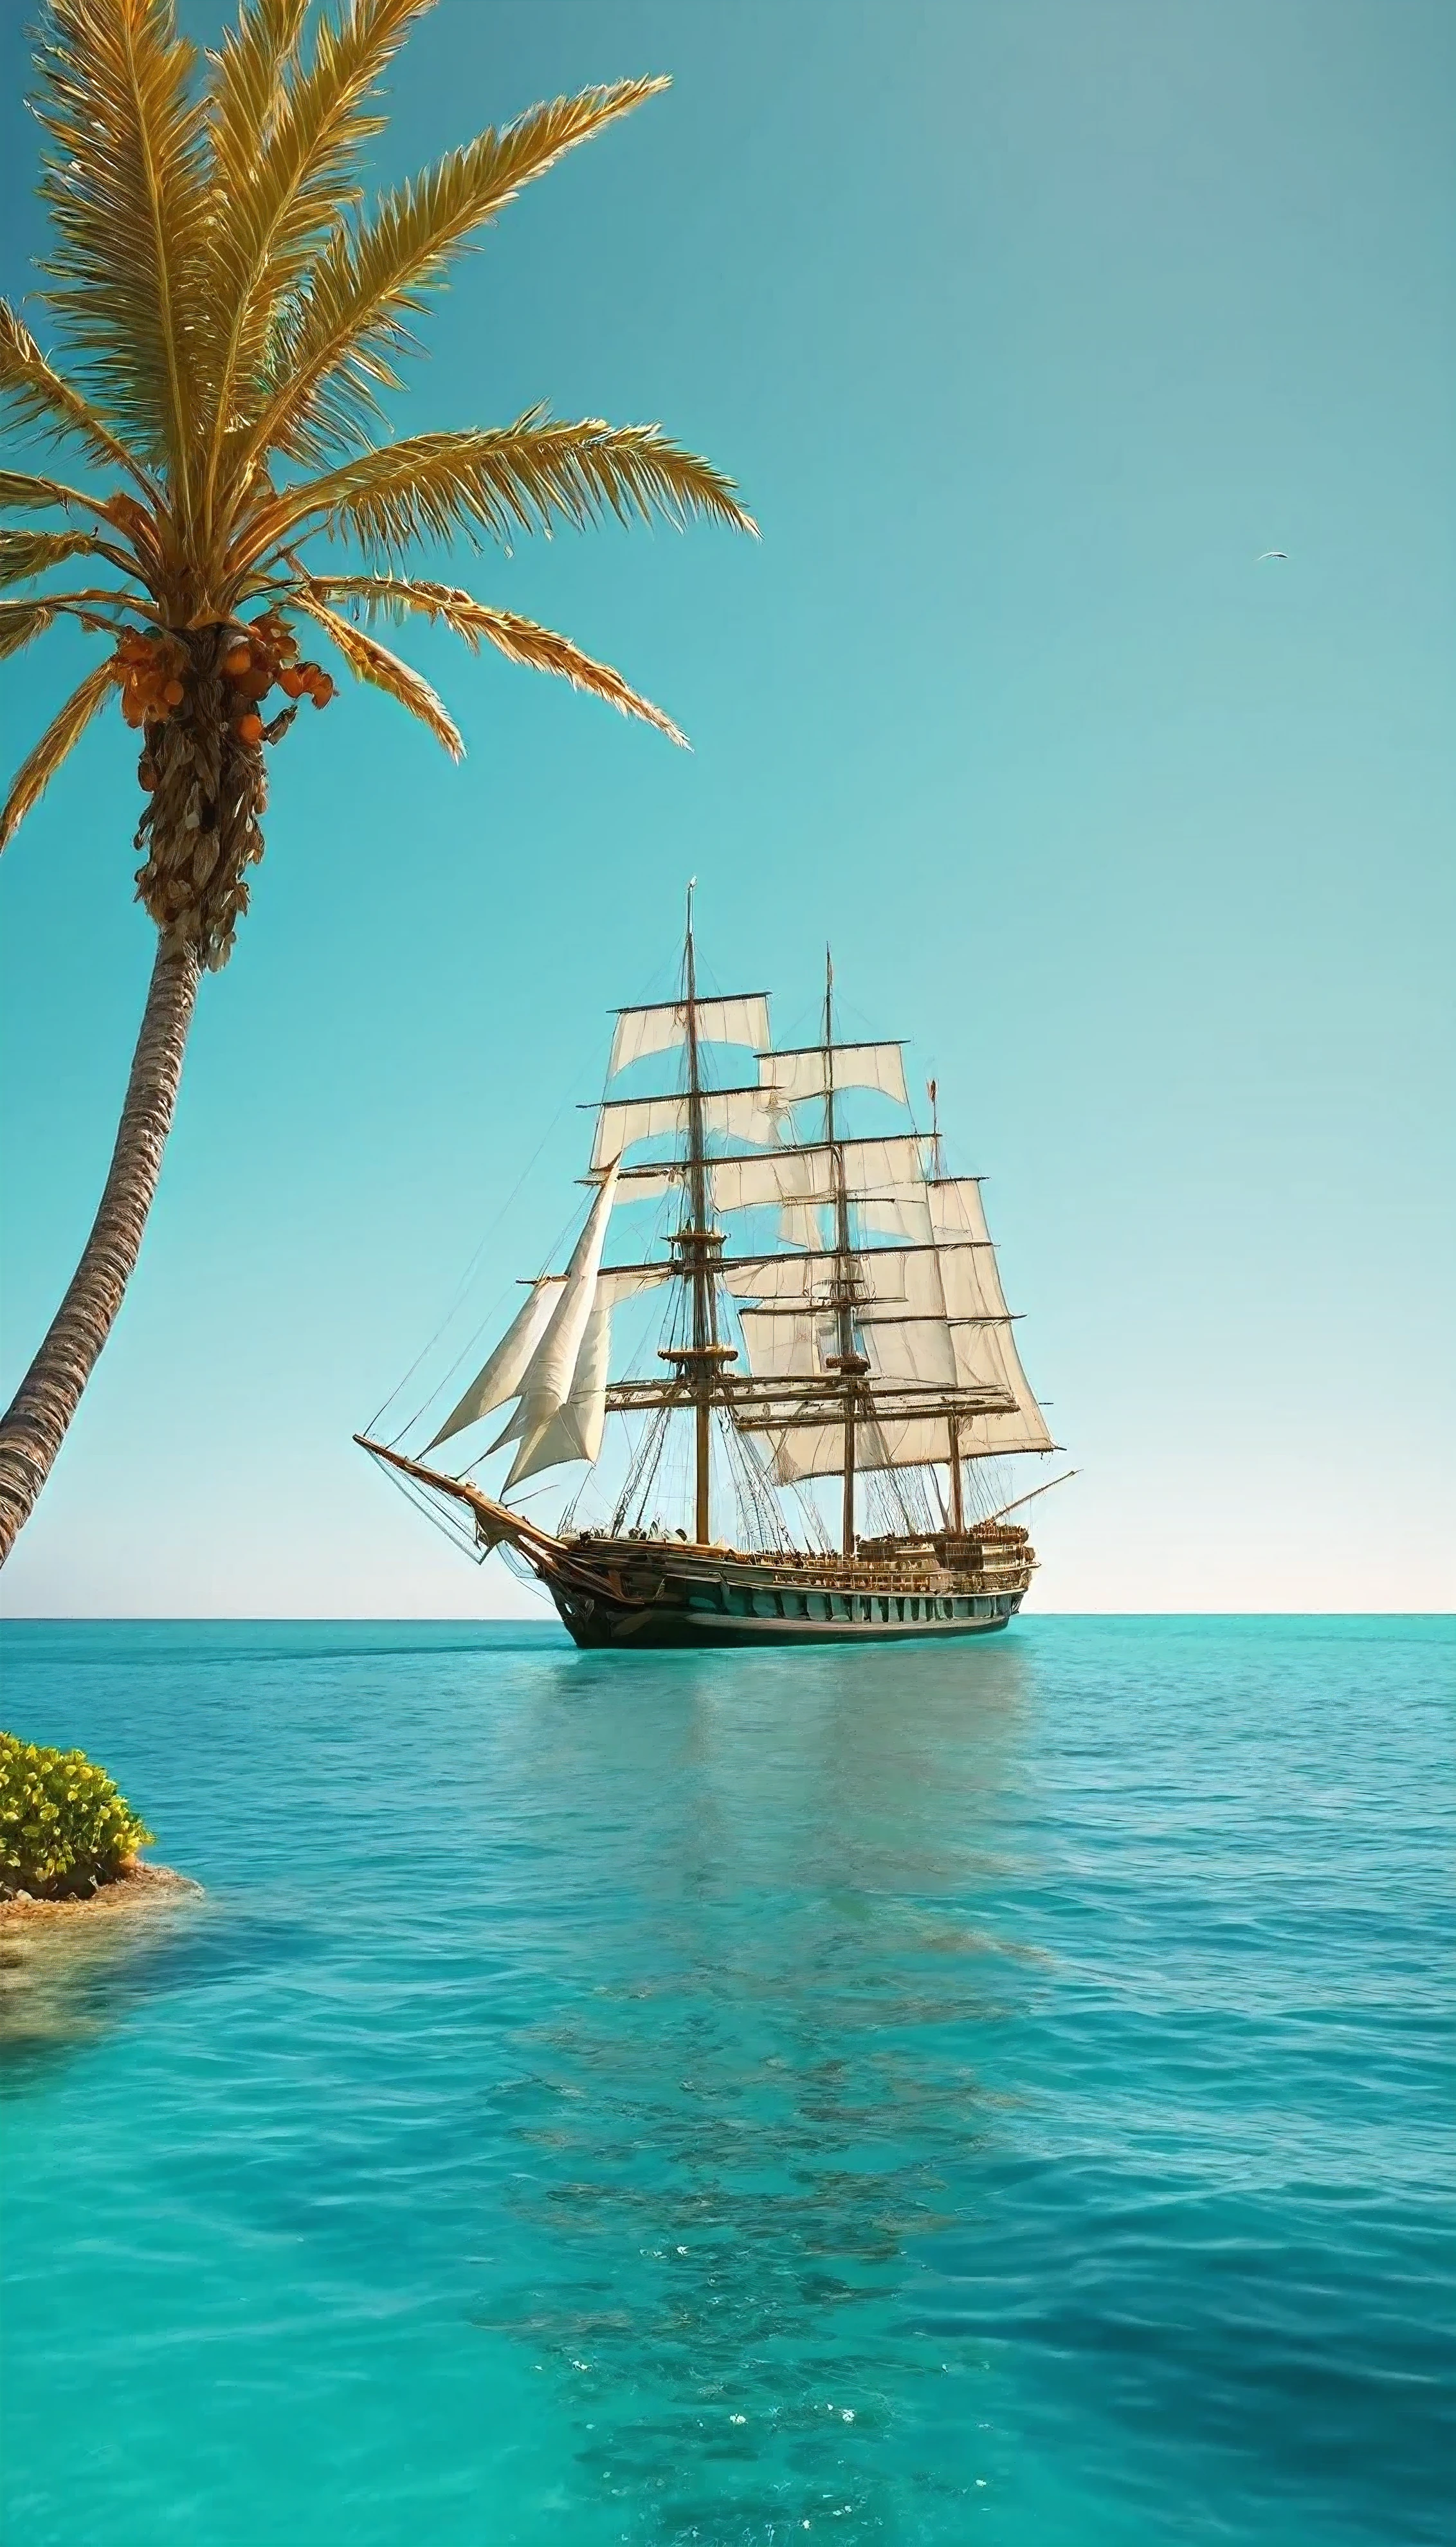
(697, 1245)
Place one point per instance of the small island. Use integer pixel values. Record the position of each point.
(69, 1840)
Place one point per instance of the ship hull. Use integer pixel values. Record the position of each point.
(649, 1597)
(641, 1594)
(601, 1625)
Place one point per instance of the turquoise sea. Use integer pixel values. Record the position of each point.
(916, 2096)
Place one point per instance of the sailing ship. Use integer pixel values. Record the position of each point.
(834, 1349)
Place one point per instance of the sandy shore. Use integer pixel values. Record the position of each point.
(137, 1888)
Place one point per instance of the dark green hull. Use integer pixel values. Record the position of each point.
(643, 1633)
(657, 1601)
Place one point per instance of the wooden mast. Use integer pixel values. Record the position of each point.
(698, 1257)
(957, 1516)
(850, 1364)
(958, 1505)
(697, 1244)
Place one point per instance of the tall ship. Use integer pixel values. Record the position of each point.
(823, 1387)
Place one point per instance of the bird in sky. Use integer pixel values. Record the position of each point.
(1270, 552)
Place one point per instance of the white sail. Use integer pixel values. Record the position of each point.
(778, 1277)
(902, 1278)
(918, 1352)
(914, 1347)
(788, 1344)
(915, 1351)
(575, 1432)
(649, 1184)
(804, 1451)
(803, 1075)
(957, 1209)
(886, 1278)
(973, 1285)
(985, 1355)
(547, 1379)
(987, 1358)
(502, 1375)
(641, 1031)
(741, 1184)
(789, 1174)
(996, 1436)
(901, 1211)
(883, 1176)
(743, 1114)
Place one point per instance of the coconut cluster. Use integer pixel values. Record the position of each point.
(267, 656)
(151, 671)
(202, 766)
(157, 673)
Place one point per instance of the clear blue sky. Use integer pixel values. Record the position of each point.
(1025, 326)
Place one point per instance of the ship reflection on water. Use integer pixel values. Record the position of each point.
(784, 2057)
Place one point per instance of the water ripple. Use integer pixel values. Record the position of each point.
(905, 2096)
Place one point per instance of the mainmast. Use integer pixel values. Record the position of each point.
(957, 1513)
(846, 1359)
(697, 1245)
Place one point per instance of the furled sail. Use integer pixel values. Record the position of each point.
(641, 1031)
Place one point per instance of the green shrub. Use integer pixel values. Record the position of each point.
(64, 1827)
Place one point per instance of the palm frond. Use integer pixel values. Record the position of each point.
(25, 554)
(21, 493)
(371, 661)
(524, 477)
(285, 157)
(246, 96)
(20, 621)
(334, 353)
(63, 732)
(125, 185)
(40, 396)
(521, 641)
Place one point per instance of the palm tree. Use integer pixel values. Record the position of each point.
(231, 318)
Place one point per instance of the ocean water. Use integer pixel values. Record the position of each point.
(918, 2096)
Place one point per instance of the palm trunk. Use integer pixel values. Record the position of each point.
(32, 1430)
